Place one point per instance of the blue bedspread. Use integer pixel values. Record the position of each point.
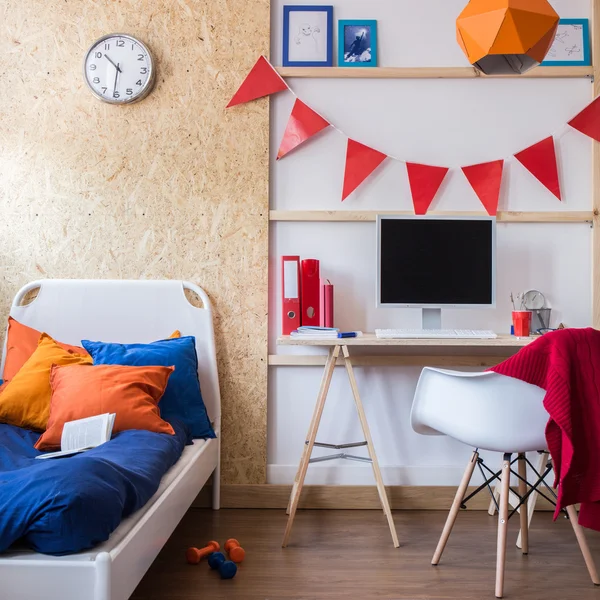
(65, 505)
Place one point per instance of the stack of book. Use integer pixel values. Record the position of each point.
(323, 333)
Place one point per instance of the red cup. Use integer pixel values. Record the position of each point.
(522, 322)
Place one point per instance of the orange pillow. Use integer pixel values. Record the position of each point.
(25, 399)
(132, 393)
(21, 342)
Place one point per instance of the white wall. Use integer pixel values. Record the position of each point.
(445, 122)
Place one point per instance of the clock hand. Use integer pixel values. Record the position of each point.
(116, 76)
(112, 63)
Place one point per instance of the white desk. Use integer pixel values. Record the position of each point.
(507, 344)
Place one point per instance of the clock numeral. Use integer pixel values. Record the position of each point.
(106, 46)
(143, 70)
(96, 80)
(120, 43)
(98, 54)
(129, 91)
(92, 67)
(133, 46)
(116, 95)
(140, 57)
(138, 82)
(104, 90)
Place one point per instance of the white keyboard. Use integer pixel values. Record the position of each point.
(434, 334)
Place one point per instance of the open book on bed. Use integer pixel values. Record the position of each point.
(83, 434)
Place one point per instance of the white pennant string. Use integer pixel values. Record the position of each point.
(558, 135)
(338, 130)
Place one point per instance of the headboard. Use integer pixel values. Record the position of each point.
(124, 311)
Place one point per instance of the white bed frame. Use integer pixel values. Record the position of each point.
(126, 312)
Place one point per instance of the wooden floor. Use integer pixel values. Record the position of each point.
(348, 555)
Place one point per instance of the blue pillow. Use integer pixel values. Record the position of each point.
(182, 399)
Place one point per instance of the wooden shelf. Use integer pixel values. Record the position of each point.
(429, 73)
(583, 216)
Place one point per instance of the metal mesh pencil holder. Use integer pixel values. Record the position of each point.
(540, 319)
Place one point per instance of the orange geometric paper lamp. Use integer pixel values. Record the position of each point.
(503, 37)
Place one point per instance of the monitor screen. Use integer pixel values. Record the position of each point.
(436, 262)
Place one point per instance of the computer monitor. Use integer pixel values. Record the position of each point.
(436, 262)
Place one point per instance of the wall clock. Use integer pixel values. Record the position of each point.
(534, 300)
(119, 69)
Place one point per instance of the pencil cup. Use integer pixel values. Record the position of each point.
(540, 319)
(522, 322)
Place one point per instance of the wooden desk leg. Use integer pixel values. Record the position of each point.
(311, 436)
(365, 427)
(310, 429)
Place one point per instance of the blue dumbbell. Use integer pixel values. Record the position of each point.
(226, 568)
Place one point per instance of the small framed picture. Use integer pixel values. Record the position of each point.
(571, 46)
(357, 42)
(308, 36)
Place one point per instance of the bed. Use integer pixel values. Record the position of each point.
(126, 312)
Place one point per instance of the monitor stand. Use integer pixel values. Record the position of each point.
(432, 318)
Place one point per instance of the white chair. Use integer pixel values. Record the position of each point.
(493, 412)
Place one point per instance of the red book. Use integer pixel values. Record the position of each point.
(290, 294)
(326, 304)
(310, 286)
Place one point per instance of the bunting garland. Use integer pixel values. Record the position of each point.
(588, 120)
(304, 122)
(540, 161)
(425, 180)
(263, 80)
(361, 161)
(486, 179)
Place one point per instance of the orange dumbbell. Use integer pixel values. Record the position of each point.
(195, 555)
(234, 550)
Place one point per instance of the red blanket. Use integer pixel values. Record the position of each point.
(566, 363)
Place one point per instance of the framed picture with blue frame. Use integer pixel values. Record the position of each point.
(357, 43)
(307, 36)
(571, 46)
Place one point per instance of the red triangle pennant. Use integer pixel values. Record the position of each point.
(486, 179)
(540, 161)
(304, 122)
(425, 181)
(361, 161)
(588, 120)
(263, 80)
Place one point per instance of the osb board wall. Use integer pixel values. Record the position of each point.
(171, 187)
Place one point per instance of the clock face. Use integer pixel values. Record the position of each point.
(119, 69)
(534, 300)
